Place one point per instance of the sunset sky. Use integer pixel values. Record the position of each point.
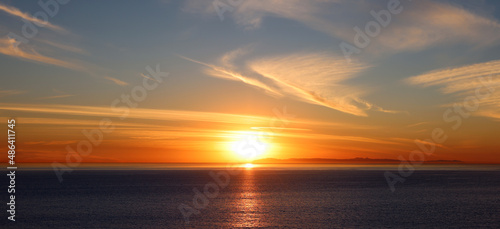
(270, 70)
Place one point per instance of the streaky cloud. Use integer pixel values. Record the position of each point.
(55, 97)
(7, 48)
(221, 72)
(420, 25)
(315, 78)
(17, 13)
(10, 92)
(116, 81)
(465, 81)
(319, 79)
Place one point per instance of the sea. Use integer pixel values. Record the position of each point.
(332, 196)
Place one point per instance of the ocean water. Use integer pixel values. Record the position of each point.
(285, 198)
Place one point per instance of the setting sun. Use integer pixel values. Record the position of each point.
(248, 165)
(249, 145)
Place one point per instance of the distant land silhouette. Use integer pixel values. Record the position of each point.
(333, 161)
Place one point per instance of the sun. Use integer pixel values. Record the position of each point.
(249, 145)
(248, 165)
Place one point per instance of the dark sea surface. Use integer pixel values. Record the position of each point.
(285, 198)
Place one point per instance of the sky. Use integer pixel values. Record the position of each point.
(221, 81)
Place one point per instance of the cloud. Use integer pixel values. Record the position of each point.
(426, 23)
(66, 47)
(228, 58)
(156, 114)
(416, 124)
(10, 92)
(51, 142)
(55, 97)
(222, 72)
(311, 77)
(315, 14)
(17, 13)
(147, 77)
(331, 137)
(420, 25)
(456, 79)
(7, 48)
(251, 14)
(60, 94)
(314, 78)
(56, 121)
(467, 81)
(78, 124)
(146, 114)
(30, 51)
(318, 78)
(116, 81)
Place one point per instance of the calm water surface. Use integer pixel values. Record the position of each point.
(257, 198)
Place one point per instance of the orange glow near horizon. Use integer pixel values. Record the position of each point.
(227, 137)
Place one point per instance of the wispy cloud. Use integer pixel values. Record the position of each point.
(225, 73)
(156, 114)
(318, 78)
(55, 97)
(17, 13)
(66, 47)
(147, 114)
(51, 142)
(251, 14)
(56, 121)
(147, 77)
(116, 81)
(463, 81)
(456, 79)
(78, 124)
(230, 57)
(36, 49)
(59, 94)
(421, 25)
(11, 92)
(7, 48)
(315, 78)
(417, 124)
(427, 23)
(332, 137)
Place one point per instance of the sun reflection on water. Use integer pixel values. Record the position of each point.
(248, 202)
